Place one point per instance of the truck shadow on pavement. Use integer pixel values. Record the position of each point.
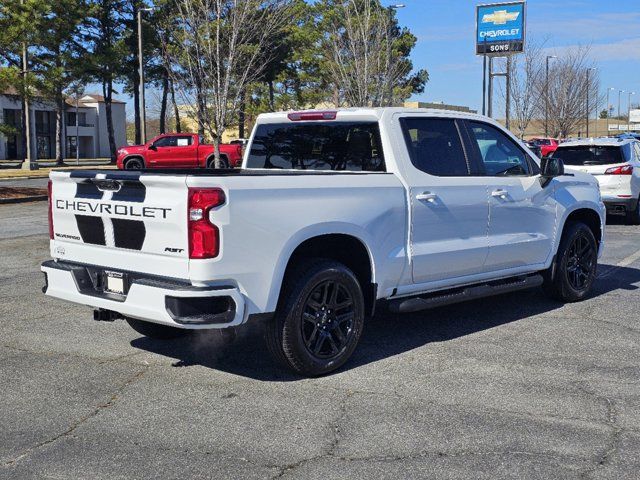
(384, 336)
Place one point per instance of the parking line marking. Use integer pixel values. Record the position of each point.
(629, 260)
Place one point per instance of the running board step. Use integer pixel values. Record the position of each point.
(457, 295)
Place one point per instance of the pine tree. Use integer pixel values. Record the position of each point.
(57, 56)
(104, 38)
(20, 21)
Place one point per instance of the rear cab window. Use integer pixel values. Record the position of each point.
(337, 145)
(590, 154)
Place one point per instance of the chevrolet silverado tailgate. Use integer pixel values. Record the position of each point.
(122, 220)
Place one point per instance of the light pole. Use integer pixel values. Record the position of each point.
(28, 163)
(629, 112)
(143, 122)
(546, 98)
(609, 90)
(620, 92)
(588, 70)
(390, 8)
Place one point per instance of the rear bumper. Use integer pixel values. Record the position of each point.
(152, 299)
(619, 206)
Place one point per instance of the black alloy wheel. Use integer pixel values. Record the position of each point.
(134, 164)
(573, 272)
(319, 319)
(223, 162)
(328, 318)
(580, 262)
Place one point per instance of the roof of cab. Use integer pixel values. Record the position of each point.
(368, 112)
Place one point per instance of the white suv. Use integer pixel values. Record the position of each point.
(615, 162)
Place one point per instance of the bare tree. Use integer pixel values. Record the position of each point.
(221, 47)
(526, 72)
(367, 54)
(567, 90)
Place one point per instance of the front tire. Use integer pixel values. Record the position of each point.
(134, 164)
(320, 318)
(155, 330)
(575, 265)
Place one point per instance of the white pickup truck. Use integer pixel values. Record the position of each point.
(331, 214)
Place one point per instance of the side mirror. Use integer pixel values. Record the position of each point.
(153, 147)
(550, 167)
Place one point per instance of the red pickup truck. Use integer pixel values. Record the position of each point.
(176, 150)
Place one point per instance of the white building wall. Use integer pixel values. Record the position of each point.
(119, 124)
(96, 115)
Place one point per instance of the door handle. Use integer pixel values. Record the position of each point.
(499, 193)
(427, 197)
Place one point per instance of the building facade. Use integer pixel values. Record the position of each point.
(92, 137)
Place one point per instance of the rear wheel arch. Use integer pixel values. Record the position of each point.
(342, 248)
(211, 160)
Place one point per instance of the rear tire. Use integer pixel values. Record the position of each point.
(155, 330)
(224, 163)
(320, 318)
(575, 265)
(134, 164)
(633, 216)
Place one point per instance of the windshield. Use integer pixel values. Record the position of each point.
(351, 146)
(590, 155)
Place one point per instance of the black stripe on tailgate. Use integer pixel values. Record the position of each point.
(91, 229)
(128, 233)
(87, 189)
(130, 192)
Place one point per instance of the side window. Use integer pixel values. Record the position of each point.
(183, 141)
(163, 142)
(434, 146)
(500, 155)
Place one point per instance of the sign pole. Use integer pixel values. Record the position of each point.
(484, 78)
(490, 102)
(508, 99)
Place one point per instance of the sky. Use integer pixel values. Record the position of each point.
(445, 30)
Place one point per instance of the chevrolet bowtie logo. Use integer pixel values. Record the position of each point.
(500, 17)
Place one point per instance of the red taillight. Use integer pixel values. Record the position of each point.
(301, 116)
(50, 213)
(622, 170)
(204, 237)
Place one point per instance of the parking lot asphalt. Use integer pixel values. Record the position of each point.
(515, 386)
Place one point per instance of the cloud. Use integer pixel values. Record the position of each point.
(626, 49)
(588, 26)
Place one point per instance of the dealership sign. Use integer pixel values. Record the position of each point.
(634, 116)
(500, 28)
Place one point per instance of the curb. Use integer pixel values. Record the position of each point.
(2, 179)
(34, 198)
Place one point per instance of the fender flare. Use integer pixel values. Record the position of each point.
(307, 234)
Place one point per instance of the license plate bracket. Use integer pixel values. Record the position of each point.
(115, 282)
